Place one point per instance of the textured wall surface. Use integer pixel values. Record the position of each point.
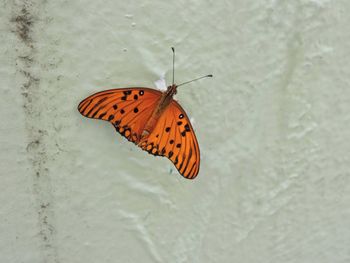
(273, 127)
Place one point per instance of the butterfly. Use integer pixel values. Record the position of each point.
(152, 120)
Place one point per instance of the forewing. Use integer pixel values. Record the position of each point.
(128, 109)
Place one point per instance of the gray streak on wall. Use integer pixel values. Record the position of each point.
(25, 17)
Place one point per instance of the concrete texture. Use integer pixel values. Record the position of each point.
(273, 128)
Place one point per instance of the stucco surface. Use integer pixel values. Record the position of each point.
(273, 127)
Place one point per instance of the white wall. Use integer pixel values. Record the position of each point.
(273, 127)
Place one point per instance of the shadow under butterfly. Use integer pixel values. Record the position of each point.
(152, 120)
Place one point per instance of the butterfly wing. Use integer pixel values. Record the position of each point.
(173, 137)
(128, 109)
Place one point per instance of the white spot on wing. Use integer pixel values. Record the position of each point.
(161, 84)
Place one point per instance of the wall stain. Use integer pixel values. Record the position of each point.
(24, 21)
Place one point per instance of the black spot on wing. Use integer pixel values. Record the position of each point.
(102, 115)
(127, 92)
(163, 151)
(110, 117)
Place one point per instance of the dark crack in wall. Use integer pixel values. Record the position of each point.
(26, 16)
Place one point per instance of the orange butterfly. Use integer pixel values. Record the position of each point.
(152, 120)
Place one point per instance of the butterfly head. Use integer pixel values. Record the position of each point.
(172, 90)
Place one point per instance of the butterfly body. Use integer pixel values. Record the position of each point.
(163, 103)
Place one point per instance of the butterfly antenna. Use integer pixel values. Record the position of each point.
(207, 76)
(173, 49)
